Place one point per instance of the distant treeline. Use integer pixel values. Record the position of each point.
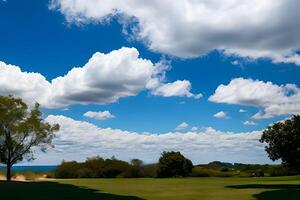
(170, 164)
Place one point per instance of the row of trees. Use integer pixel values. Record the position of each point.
(171, 164)
(22, 128)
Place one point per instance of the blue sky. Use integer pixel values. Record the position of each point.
(53, 41)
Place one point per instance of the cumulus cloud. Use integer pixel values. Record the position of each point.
(177, 88)
(221, 115)
(235, 62)
(194, 128)
(104, 79)
(274, 99)
(77, 140)
(242, 111)
(189, 28)
(249, 123)
(30, 86)
(100, 115)
(181, 126)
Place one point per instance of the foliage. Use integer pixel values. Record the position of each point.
(95, 167)
(98, 167)
(283, 139)
(174, 164)
(20, 130)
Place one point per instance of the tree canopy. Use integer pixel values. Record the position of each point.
(283, 139)
(21, 128)
(174, 164)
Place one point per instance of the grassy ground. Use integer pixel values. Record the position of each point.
(287, 188)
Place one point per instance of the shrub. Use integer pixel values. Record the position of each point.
(150, 170)
(224, 169)
(174, 164)
(95, 167)
(67, 170)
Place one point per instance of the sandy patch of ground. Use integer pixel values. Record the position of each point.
(19, 178)
(2, 177)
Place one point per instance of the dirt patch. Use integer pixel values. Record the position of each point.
(19, 178)
(2, 177)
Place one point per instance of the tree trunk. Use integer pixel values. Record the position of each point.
(8, 172)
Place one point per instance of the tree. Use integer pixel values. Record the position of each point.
(21, 129)
(174, 164)
(283, 139)
(136, 162)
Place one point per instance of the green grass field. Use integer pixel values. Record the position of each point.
(271, 188)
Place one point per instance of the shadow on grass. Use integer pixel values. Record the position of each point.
(54, 191)
(275, 191)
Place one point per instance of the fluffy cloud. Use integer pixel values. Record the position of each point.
(181, 126)
(221, 115)
(194, 128)
(249, 123)
(177, 88)
(104, 79)
(274, 99)
(101, 115)
(190, 28)
(77, 140)
(29, 86)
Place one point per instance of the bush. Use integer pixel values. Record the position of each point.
(95, 167)
(209, 172)
(174, 164)
(257, 173)
(224, 169)
(67, 170)
(150, 171)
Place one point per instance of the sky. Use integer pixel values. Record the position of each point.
(135, 78)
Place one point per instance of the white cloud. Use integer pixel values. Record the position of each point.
(235, 62)
(104, 79)
(249, 123)
(194, 128)
(189, 28)
(242, 111)
(77, 140)
(100, 115)
(274, 99)
(181, 126)
(30, 86)
(221, 115)
(177, 88)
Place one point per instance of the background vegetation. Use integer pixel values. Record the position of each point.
(98, 167)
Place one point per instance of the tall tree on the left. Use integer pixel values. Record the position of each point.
(21, 129)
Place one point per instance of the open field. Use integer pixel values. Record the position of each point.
(272, 188)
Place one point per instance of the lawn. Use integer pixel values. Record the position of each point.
(287, 188)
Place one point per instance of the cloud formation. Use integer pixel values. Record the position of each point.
(86, 139)
(249, 123)
(274, 99)
(189, 28)
(104, 79)
(221, 115)
(28, 85)
(181, 126)
(177, 88)
(100, 115)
